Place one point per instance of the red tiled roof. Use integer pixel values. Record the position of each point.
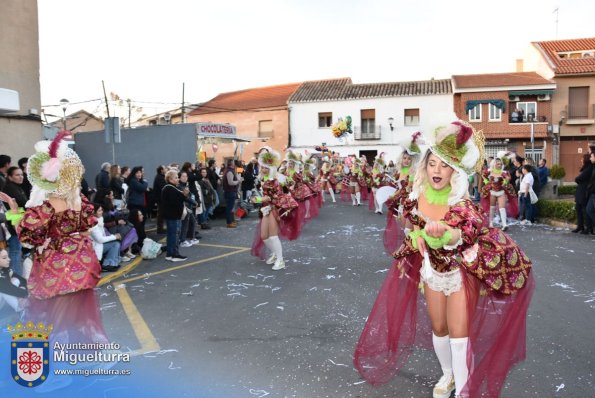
(253, 98)
(566, 66)
(499, 80)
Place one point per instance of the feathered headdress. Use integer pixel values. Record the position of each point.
(505, 156)
(54, 169)
(459, 145)
(380, 160)
(292, 156)
(267, 157)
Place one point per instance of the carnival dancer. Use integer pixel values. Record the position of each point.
(354, 177)
(314, 186)
(56, 224)
(377, 182)
(498, 189)
(327, 180)
(363, 179)
(296, 185)
(394, 233)
(277, 208)
(476, 281)
(343, 172)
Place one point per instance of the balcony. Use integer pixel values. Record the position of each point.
(367, 133)
(580, 115)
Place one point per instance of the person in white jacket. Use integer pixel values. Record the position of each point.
(107, 247)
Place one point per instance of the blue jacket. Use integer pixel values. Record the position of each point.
(137, 192)
(543, 174)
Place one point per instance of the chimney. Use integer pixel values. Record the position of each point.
(519, 65)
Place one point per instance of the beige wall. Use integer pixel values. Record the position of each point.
(560, 102)
(19, 70)
(247, 127)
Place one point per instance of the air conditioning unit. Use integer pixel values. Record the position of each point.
(543, 97)
(514, 98)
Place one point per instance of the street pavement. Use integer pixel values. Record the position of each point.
(223, 324)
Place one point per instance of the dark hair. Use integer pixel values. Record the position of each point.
(527, 167)
(544, 161)
(159, 169)
(135, 170)
(22, 162)
(11, 170)
(186, 167)
(519, 159)
(4, 160)
(124, 169)
(230, 163)
(211, 162)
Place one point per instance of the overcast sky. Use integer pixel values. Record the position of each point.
(145, 49)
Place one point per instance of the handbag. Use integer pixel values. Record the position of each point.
(533, 196)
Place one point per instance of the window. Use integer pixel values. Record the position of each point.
(368, 121)
(475, 113)
(528, 111)
(495, 113)
(325, 119)
(578, 98)
(265, 128)
(412, 117)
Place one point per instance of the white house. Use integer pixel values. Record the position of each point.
(383, 114)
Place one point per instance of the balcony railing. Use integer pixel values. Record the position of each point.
(367, 133)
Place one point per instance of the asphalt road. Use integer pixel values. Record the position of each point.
(223, 324)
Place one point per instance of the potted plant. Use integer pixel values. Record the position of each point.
(557, 172)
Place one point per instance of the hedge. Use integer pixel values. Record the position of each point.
(558, 209)
(567, 189)
(557, 172)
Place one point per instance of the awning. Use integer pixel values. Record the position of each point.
(530, 92)
(498, 103)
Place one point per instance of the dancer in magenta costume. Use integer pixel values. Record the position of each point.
(278, 211)
(327, 180)
(378, 175)
(56, 224)
(476, 281)
(310, 180)
(498, 190)
(395, 231)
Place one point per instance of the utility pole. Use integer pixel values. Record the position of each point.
(129, 111)
(105, 96)
(183, 107)
(557, 11)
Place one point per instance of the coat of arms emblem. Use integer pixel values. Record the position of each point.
(30, 353)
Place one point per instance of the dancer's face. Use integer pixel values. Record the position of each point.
(406, 160)
(439, 173)
(4, 259)
(498, 164)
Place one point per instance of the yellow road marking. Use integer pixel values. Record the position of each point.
(224, 246)
(149, 274)
(123, 270)
(147, 341)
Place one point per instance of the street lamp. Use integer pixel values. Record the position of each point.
(167, 118)
(64, 102)
(390, 123)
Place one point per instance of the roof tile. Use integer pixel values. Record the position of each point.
(567, 66)
(499, 80)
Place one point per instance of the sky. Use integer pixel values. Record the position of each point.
(145, 50)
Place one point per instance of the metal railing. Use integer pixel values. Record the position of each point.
(368, 133)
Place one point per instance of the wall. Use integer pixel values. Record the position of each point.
(560, 102)
(19, 49)
(305, 134)
(534, 61)
(247, 125)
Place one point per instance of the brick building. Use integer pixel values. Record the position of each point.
(507, 107)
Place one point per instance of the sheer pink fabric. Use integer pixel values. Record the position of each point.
(393, 234)
(365, 194)
(371, 204)
(512, 206)
(345, 193)
(497, 330)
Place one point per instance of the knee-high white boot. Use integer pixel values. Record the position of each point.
(353, 199)
(492, 212)
(268, 245)
(458, 348)
(446, 384)
(503, 218)
(278, 250)
(358, 198)
(330, 190)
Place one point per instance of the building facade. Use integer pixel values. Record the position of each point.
(510, 109)
(20, 123)
(571, 65)
(384, 115)
(259, 114)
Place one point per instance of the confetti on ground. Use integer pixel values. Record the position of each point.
(561, 386)
(261, 304)
(338, 364)
(259, 393)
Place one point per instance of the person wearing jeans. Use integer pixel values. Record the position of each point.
(230, 191)
(525, 196)
(172, 200)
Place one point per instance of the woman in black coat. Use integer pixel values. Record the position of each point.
(584, 224)
(173, 205)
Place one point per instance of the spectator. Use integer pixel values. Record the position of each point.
(591, 191)
(517, 163)
(26, 184)
(208, 194)
(172, 201)
(115, 185)
(13, 287)
(3, 223)
(158, 184)
(137, 186)
(536, 184)
(136, 218)
(525, 189)
(514, 116)
(85, 190)
(107, 246)
(584, 224)
(215, 181)
(188, 228)
(13, 189)
(231, 182)
(116, 221)
(543, 172)
(249, 181)
(4, 165)
(102, 182)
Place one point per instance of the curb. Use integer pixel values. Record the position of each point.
(557, 223)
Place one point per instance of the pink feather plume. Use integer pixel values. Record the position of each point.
(51, 169)
(464, 134)
(53, 149)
